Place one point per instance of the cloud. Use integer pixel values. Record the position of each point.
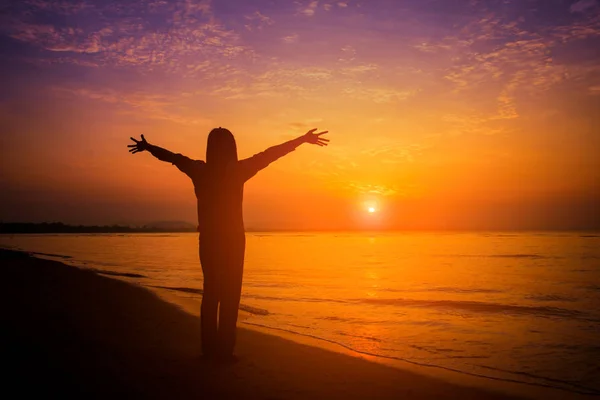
(174, 35)
(359, 69)
(69, 39)
(146, 105)
(306, 124)
(379, 95)
(431, 48)
(396, 153)
(490, 57)
(583, 5)
(310, 10)
(291, 38)
(258, 21)
(364, 188)
(348, 53)
(580, 30)
(61, 7)
(505, 61)
(471, 123)
(288, 80)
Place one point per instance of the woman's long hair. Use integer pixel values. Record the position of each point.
(221, 149)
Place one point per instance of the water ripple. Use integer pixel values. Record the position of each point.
(482, 307)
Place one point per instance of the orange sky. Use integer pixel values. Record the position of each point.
(481, 115)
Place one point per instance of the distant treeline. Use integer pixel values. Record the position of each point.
(59, 227)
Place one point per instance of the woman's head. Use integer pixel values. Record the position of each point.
(221, 148)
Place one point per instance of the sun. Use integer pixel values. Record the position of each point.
(370, 207)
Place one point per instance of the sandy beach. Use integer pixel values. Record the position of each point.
(68, 331)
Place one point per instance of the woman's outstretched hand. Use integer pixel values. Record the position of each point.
(140, 145)
(315, 138)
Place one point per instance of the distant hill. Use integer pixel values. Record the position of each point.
(59, 227)
(177, 226)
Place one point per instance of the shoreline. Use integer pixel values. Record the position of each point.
(111, 336)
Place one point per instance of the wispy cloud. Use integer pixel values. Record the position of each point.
(308, 123)
(471, 123)
(142, 104)
(583, 5)
(366, 188)
(396, 153)
(310, 9)
(348, 53)
(290, 38)
(595, 90)
(379, 95)
(359, 69)
(258, 21)
(184, 31)
(521, 63)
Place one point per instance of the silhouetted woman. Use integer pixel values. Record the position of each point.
(219, 186)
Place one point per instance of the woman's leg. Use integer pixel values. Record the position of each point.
(230, 298)
(210, 299)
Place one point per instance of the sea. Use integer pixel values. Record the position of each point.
(515, 307)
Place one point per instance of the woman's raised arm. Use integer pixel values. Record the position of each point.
(185, 164)
(261, 160)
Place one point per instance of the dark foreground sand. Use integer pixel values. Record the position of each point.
(70, 332)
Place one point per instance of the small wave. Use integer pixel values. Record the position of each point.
(592, 288)
(151, 235)
(270, 285)
(461, 357)
(456, 290)
(584, 349)
(499, 235)
(430, 322)
(245, 307)
(477, 306)
(443, 350)
(35, 253)
(550, 297)
(13, 252)
(589, 236)
(517, 255)
(254, 310)
(180, 289)
(543, 378)
(462, 290)
(335, 318)
(546, 382)
(371, 338)
(115, 273)
(259, 297)
(96, 263)
(295, 299)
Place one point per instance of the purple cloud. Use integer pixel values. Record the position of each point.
(583, 5)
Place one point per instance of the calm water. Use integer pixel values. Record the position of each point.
(522, 307)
